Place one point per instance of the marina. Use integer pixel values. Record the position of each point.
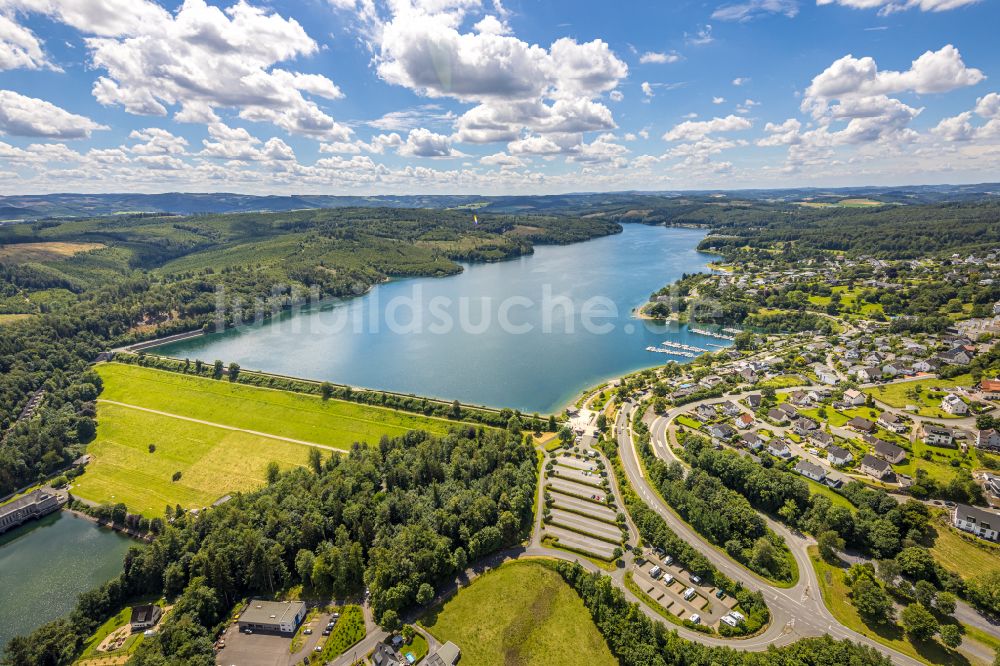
(710, 334)
(670, 352)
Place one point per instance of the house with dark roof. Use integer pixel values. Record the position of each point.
(937, 435)
(892, 422)
(754, 400)
(777, 415)
(144, 617)
(984, 524)
(722, 431)
(889, 452)
(810, 470)
(875, 467)
(860, 424)
(838, 455)
(779, 449)
(820, 438)
(988, 440)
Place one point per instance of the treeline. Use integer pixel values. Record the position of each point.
(722, 516)
(499, 418)
(401, 518)
(638, 641)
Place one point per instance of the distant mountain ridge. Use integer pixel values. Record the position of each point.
(34, 207)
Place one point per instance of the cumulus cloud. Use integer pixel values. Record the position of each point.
(422, 142)
(197, 60)
(502, 159)
(752, 9)
(19, 48)
(933, 72)
(29, 116)
(783, 134)
(157, 141)
(691, 130)
(890, 6)
(700, 38)
(647, 89)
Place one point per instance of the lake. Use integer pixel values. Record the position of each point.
(530, 333)
(45, 564)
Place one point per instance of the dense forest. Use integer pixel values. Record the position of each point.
(141, 276)
(400, 518)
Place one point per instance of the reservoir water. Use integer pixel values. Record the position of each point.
(45, 564)
(529, 333)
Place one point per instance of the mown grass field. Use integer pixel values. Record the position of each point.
(295, 415)
(213, 461)
(960, 554)
(21, 253)
(521, 613)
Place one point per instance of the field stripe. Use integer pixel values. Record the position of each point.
(220, 425)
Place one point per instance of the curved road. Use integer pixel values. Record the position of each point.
(796, 612)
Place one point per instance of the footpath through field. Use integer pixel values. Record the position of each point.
(220, 425)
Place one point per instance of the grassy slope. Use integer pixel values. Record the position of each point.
(304, 417)
(963, 555)
(521, 613)
(835, 595)
(928, 402)
(212, 461)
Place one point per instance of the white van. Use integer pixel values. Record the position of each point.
(729, 620)
(668, 579)
(655, 572)
(695, 618)
(689, 594)
(668, 560)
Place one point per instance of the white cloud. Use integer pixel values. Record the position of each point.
(702, 37)
(659, 58)
(988, 106)
(691, 130)
(236, 143)
(407, 119)
(752, 9)
(29, 116)
(534, 145)
(19, 48)
(199, 59)
(933, 72)
(718, 100)
(647, 89)
(157, 141)
(741, 81)
(616, 95)
(890, 6)
(422, 142)
(502, 159)
(784, 134)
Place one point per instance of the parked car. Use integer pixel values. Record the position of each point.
(720, 595)
(689, 594)
(668, 579)
(695, 618)
(307, 632)
(668, 560)
(696, 580)
(655, 572)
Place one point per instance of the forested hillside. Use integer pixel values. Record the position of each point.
(89, 285)
(399, 517)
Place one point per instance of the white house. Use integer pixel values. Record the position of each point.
(854, 397)
(938, 436)
(984, 524)
(952, 404)
(779, 449)
(892, 422)
(825, 374)
(838, 456)
(811, 471)
(988, 439)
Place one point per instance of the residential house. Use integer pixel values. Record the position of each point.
(990, 389)
(446, 655)
(754, 400)
(753, 440)
(779, 449)
(789, 410)
(889, 452)
(744, 421)
(861, 424)
(799, 398)
(722, 431)
(749, 376)
(838, 456)
(927, 365)
(825, 374)
(854, 397)
(144, 617)
(866, 375)
(705, 412)
(892, 422)
(875, 467)
(984, 524)
(810, 470)
(777, 415)
(937, 435)
(954, 405)
(820, 438)
(730, 408)
(988, 440)
(384, 655)
(804, 426)
(956, 356)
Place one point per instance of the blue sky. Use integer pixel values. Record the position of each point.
(519, 96)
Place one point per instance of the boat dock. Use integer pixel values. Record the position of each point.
(671, 352)
(720, 336)
(677, 345)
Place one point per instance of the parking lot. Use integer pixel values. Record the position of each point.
(264, 649)
(602, 530)
(586, 544)
(576, 489)
(592, 509)
(671, 595)
(579, 518)
(577, 475)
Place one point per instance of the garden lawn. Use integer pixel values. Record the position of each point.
(826, 491)
(521, 613)
(295, 415)
(928, 402)
(962, 555)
